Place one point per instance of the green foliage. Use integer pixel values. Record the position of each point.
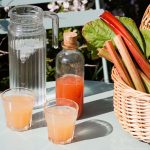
(133, 29)
(146, 36)
(96, 33)
(4, 83)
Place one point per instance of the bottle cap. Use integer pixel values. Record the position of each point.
(70, 40)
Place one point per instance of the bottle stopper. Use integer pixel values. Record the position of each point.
(70, 40)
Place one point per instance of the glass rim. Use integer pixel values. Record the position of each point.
(32, 12)
(38, 10)
(23, 88)
(54, 100)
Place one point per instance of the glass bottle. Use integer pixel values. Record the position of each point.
(27, 49)
(70, 71)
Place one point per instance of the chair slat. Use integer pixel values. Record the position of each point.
(70, 19)
(22, 2)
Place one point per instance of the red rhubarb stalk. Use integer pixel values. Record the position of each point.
(118, 28)
(133, 72)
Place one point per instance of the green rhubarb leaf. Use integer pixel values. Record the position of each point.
(96, 33)
(93, 51)
(146, 36)
(134, 31)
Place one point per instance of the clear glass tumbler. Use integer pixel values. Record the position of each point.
(61, 116)
(18, 105)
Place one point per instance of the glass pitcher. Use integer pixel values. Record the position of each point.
(27, 48)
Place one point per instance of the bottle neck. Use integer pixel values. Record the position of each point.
(70, 47)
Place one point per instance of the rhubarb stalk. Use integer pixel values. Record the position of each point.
(118, 28)
(145, 80)
(118, 64)
(103, 52)
(137, 81)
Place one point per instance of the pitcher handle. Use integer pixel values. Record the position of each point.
(55, 27)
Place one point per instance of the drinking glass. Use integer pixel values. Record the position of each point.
(61, 116)
(18, 105)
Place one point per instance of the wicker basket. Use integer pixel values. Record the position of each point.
(132, 108)
(145, 23)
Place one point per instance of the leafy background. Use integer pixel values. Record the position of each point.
(93, 65)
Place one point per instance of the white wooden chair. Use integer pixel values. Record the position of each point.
(67, 19)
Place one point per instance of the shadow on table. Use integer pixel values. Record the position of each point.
(86, 130)
(38, 120)
(91, 109)
(95, 87)
(97, 107)
(90, 88)
(92, 129)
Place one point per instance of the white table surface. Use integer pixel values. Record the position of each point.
(98, 129)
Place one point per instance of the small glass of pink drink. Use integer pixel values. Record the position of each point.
(61, 115)
(18, 105)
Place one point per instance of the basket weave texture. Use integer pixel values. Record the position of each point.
(145, 23)
(132, 108)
